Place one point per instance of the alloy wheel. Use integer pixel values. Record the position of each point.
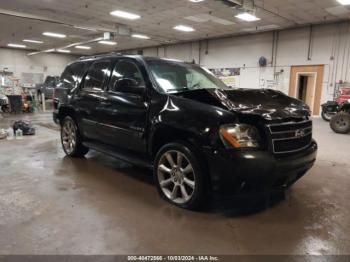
(69, 136)
(176, 177)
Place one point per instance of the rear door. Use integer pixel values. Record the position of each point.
(88, 98)
(124, 111)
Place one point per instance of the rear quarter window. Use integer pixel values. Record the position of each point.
(73, 74)
(97, 75)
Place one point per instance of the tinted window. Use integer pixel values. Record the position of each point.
(97, 75)
(126, 69)
(72, 75)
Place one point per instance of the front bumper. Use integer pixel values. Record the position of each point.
(239, 172)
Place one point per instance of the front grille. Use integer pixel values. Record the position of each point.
(291, 136)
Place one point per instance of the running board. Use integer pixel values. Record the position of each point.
(120, 154)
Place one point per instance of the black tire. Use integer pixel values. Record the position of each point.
(199, 193)
(326, 116)
(75, 149)
(340, 123)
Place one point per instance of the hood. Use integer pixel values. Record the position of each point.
(267, 103)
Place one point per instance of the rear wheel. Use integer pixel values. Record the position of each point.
(71, 139)
(340, 123)
(179, 176)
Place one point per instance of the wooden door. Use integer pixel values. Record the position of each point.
(310, 90)
(314, 85)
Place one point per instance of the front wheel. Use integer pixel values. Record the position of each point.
(340, 123)
(71, 139)
(179, 176)
(327, 116)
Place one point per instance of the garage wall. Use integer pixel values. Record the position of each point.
(18, 62)
(330, 46)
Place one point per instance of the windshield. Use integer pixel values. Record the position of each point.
(174, 77)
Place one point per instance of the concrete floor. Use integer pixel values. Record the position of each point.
(50, 204)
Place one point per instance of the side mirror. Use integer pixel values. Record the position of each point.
(128, 85)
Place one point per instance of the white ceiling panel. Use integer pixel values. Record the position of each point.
(24, 19)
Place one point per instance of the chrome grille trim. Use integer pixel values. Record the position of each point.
(290, 123)
(293, 151)
(305, 127)
(290, 131)
(291, 138)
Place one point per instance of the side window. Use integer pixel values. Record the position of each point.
(72, 75)
(126, 70)
(97, 75)
(67, 78)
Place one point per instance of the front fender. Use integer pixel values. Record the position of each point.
(191, 118)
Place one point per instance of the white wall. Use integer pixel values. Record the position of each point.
(18, 62)
(330, 47)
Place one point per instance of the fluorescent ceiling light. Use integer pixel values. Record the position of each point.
(104, 42)
(63, 50)
(140, 36)
(344, 2)
(33, 41)
(16, 45)
(125, 15)
(247, 17)
(83, 47)
(54, 35)
(196, 1)
(184, 28)
(49, 50)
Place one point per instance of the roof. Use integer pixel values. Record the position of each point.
(113, 54)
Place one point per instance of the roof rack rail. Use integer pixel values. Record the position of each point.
(102, 55)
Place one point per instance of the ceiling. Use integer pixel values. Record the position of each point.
(23, 19)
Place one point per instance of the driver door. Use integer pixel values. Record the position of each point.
(123, 108)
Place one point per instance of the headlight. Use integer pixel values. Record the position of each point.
(240, 136)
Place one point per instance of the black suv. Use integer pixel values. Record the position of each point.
(198, 135)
